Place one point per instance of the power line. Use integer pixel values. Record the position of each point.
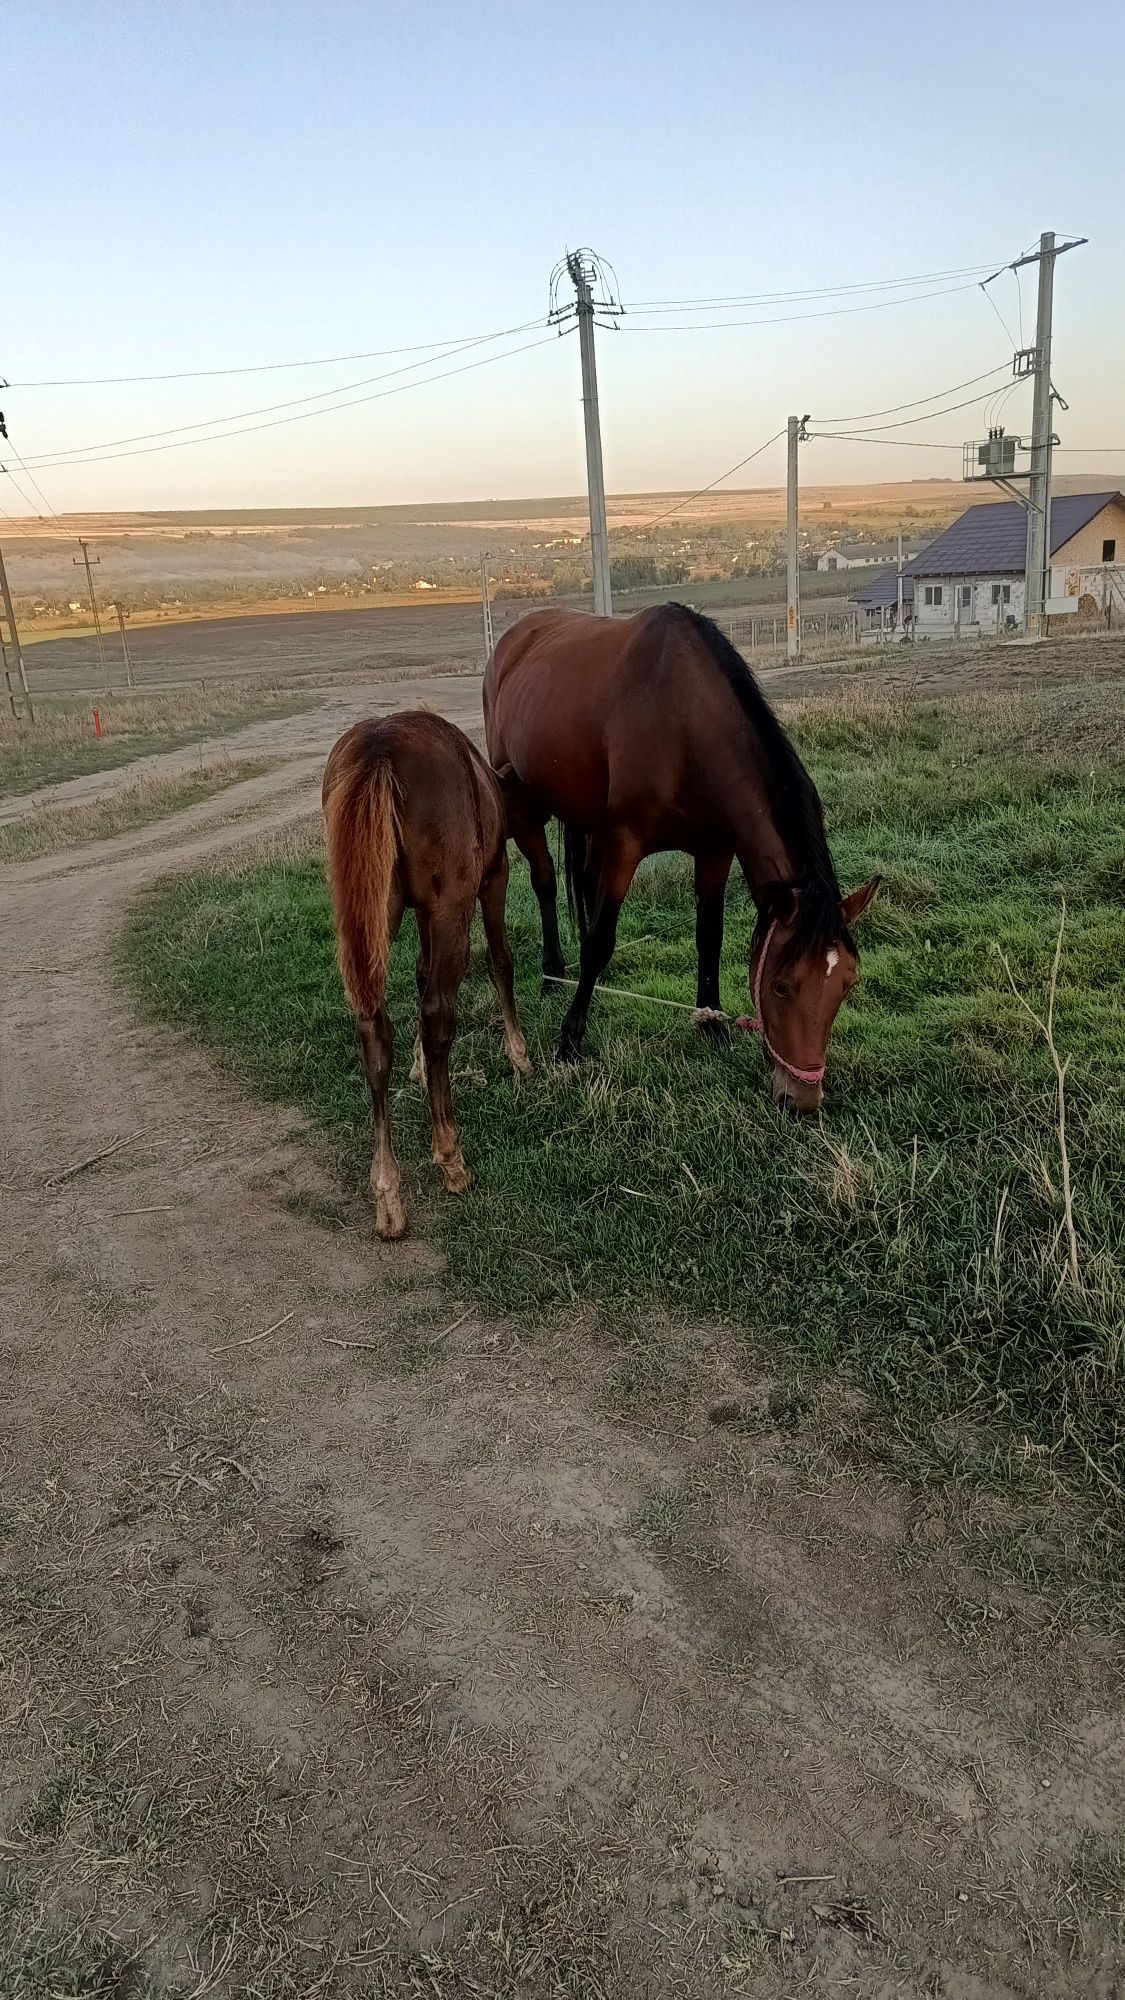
(985, 283)
(70, 452)
(789, 319)
(686, 502)
(935, 398)
(864, 437)
(219, 437)
(927, 417)
(804, 292)
(266, 367)
(25, 496)
(26, 535)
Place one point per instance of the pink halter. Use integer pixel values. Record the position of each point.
(754, 1024)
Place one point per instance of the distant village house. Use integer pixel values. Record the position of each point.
(971, 579)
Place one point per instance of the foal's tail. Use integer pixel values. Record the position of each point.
(362, 818)
(574, 856)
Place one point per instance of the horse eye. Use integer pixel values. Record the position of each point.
(781, 989)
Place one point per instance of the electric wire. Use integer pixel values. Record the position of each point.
(301, 416)
(792, 319)
(267, 367)
(686, 500)
(734, 300)
(969, 383)
(70, 453)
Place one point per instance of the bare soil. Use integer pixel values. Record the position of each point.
(353, 1644)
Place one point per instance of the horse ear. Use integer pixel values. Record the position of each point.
(860, 900)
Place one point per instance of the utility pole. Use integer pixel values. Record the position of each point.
(793, 568)
(1039, 483)
(581, 273)
(486, 605)
(130, 682)
(13, 641)
(899, 626)
(85, 548)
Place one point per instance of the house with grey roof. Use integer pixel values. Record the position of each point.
(970, 580)
(876, 601)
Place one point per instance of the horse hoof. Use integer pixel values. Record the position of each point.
(390, 1222)
(569, 1054)
(458, 1178)
(713, 1027)
(550, 984)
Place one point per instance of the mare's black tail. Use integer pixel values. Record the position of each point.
(574, 852)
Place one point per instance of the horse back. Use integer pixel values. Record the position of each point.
(450, 814)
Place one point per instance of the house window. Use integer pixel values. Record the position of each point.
(933, 594)
(1109, 551)
(966, 597)
(1001, 593)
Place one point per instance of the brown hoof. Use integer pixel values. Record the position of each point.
(457, 1177)
(390, 1221)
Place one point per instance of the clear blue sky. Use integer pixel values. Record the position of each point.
(194, 186)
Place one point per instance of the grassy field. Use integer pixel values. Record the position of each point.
(53, 829)
(913, 1236)
(61, 743)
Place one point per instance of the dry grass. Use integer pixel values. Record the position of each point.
(51, 829)
(61, 743)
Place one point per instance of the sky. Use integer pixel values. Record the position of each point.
(210, 186)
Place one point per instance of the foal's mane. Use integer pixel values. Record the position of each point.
(795, 799)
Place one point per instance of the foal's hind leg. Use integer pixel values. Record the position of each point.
(447, 959)
(422, 973)
(377, 1042)
(493, 895)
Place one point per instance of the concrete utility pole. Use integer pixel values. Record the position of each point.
(900, 625)
(130, 682)
(1039, 484)
(595, 478)
(793, 565)
(85, 548)
(13, 642)
(486, 607)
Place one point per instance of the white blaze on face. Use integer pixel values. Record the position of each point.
(832, 962)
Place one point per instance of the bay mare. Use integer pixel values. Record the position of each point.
(647, 734)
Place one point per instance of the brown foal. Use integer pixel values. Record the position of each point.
(415, 819)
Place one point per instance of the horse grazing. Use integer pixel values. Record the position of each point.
(415, 820)
(650, 733)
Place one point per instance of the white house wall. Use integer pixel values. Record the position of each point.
(942, 620)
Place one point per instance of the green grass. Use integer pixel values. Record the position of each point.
(913, 1236)
(61, 743)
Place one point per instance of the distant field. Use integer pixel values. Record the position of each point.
(419, 635)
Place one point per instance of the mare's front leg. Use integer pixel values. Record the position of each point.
(711, 872)
(377, 1044)
(446, 960)
(493, 896)
(620, 860)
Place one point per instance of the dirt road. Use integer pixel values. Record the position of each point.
(351, 1644)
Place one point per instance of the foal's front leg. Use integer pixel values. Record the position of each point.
(493, 897)
(447, 961)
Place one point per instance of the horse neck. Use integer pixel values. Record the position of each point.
(745, 797)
